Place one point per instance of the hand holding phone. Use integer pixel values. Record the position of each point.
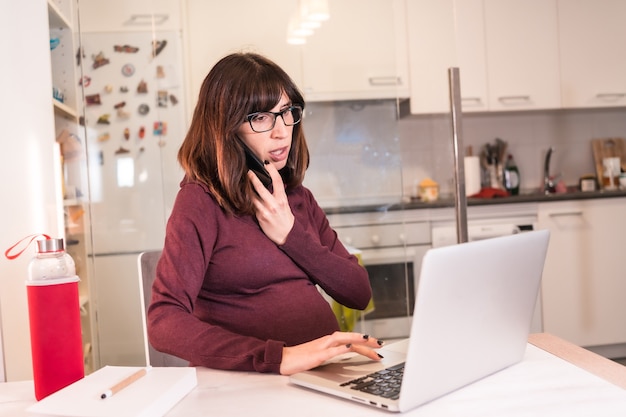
(257, 166)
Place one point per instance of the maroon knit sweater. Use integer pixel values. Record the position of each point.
(227, 297)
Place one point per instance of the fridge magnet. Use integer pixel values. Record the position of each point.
(142, 87)
(128, 70)
(85, 81)
(159, 128)
(142, 132)
(58, 95)
(121, 150)
(125, 49)
(126, 133)
(108, 88)
(119, 105)
(104, 137)
(93, 99)
(104, 119)
(162, 98)
(161, 143)
(157, 47)
(123, 114)
(99, 60)
(173, 99)
(54, 42)
(143, 109)
(160, 72)
(123, 89)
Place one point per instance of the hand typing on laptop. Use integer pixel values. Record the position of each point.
(311, 354)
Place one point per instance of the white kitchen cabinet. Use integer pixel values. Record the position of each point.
(593, 63)
(522, 54)
(216, 29)
(444, 34)
(359, 53)
(584, 279)
(506, 51)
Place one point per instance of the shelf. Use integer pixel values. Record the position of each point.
(56, 18)
(63, 110)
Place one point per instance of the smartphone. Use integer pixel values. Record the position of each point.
(257, 166)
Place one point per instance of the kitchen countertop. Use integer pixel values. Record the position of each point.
(447, 201)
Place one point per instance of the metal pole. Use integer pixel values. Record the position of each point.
(460, 199)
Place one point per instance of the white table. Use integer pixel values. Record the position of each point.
(556, 378)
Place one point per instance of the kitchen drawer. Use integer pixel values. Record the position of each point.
(385, 235)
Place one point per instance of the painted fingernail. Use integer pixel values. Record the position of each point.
(366, 336)
(380, 342)
(266, 162)
(349, 345)
(380, 356)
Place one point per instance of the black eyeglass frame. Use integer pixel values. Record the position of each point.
(250, 116)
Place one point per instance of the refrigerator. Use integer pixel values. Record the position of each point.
(134, 124)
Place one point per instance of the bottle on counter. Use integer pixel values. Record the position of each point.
(511, 176)
(54, 317)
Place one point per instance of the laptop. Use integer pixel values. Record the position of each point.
(472, 316)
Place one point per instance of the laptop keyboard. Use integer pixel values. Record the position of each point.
(385, 383)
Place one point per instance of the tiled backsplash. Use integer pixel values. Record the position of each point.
(361, 153)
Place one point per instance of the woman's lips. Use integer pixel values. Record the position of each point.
(278, 155)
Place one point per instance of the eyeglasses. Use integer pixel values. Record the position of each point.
(264, 121)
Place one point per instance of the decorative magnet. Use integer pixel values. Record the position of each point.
(104, 137)
(123, 89)
(85, 81)
(93, 99)
(79, 55)
(159, 128)
(121, 150)
(125, 48)
(119, 105)
(162, 98)
(143, 109)
(160, 72)
(173, 100)
(157, 47)
(54, 42)
(104, 119)
(128, 70)
(126, 133)
(99, 60)
(142, 87)
(142, 132)
(123, 114)
(108, 88)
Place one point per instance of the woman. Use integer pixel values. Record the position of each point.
(236, 283)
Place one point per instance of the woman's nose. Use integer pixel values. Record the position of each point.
(280, 128)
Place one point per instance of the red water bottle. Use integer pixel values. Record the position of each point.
(54, 316)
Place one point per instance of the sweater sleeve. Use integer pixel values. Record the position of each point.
(172, 326)
(314, 246)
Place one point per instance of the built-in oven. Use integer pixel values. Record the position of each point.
(392, 254)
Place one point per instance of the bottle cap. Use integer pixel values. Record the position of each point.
(50, 245)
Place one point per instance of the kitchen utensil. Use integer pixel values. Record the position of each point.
(608, 148)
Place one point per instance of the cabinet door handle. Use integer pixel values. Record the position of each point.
(471, 101)
(514, 99)
(378, 81)
(610, 96)
(566, 213)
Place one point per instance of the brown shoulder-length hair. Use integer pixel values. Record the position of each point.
(239, 84)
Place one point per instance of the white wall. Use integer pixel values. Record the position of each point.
(30, 203)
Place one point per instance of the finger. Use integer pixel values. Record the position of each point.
(258, 185)
(367, 352)
(277, 180)
(356, 338)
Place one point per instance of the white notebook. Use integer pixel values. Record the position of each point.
(152, 395)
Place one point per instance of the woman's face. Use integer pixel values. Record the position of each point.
(273, 145)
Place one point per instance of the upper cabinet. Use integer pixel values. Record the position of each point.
(593, 63)
(359, 53)
(522, 54)
(506, 51)
(444, 34)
